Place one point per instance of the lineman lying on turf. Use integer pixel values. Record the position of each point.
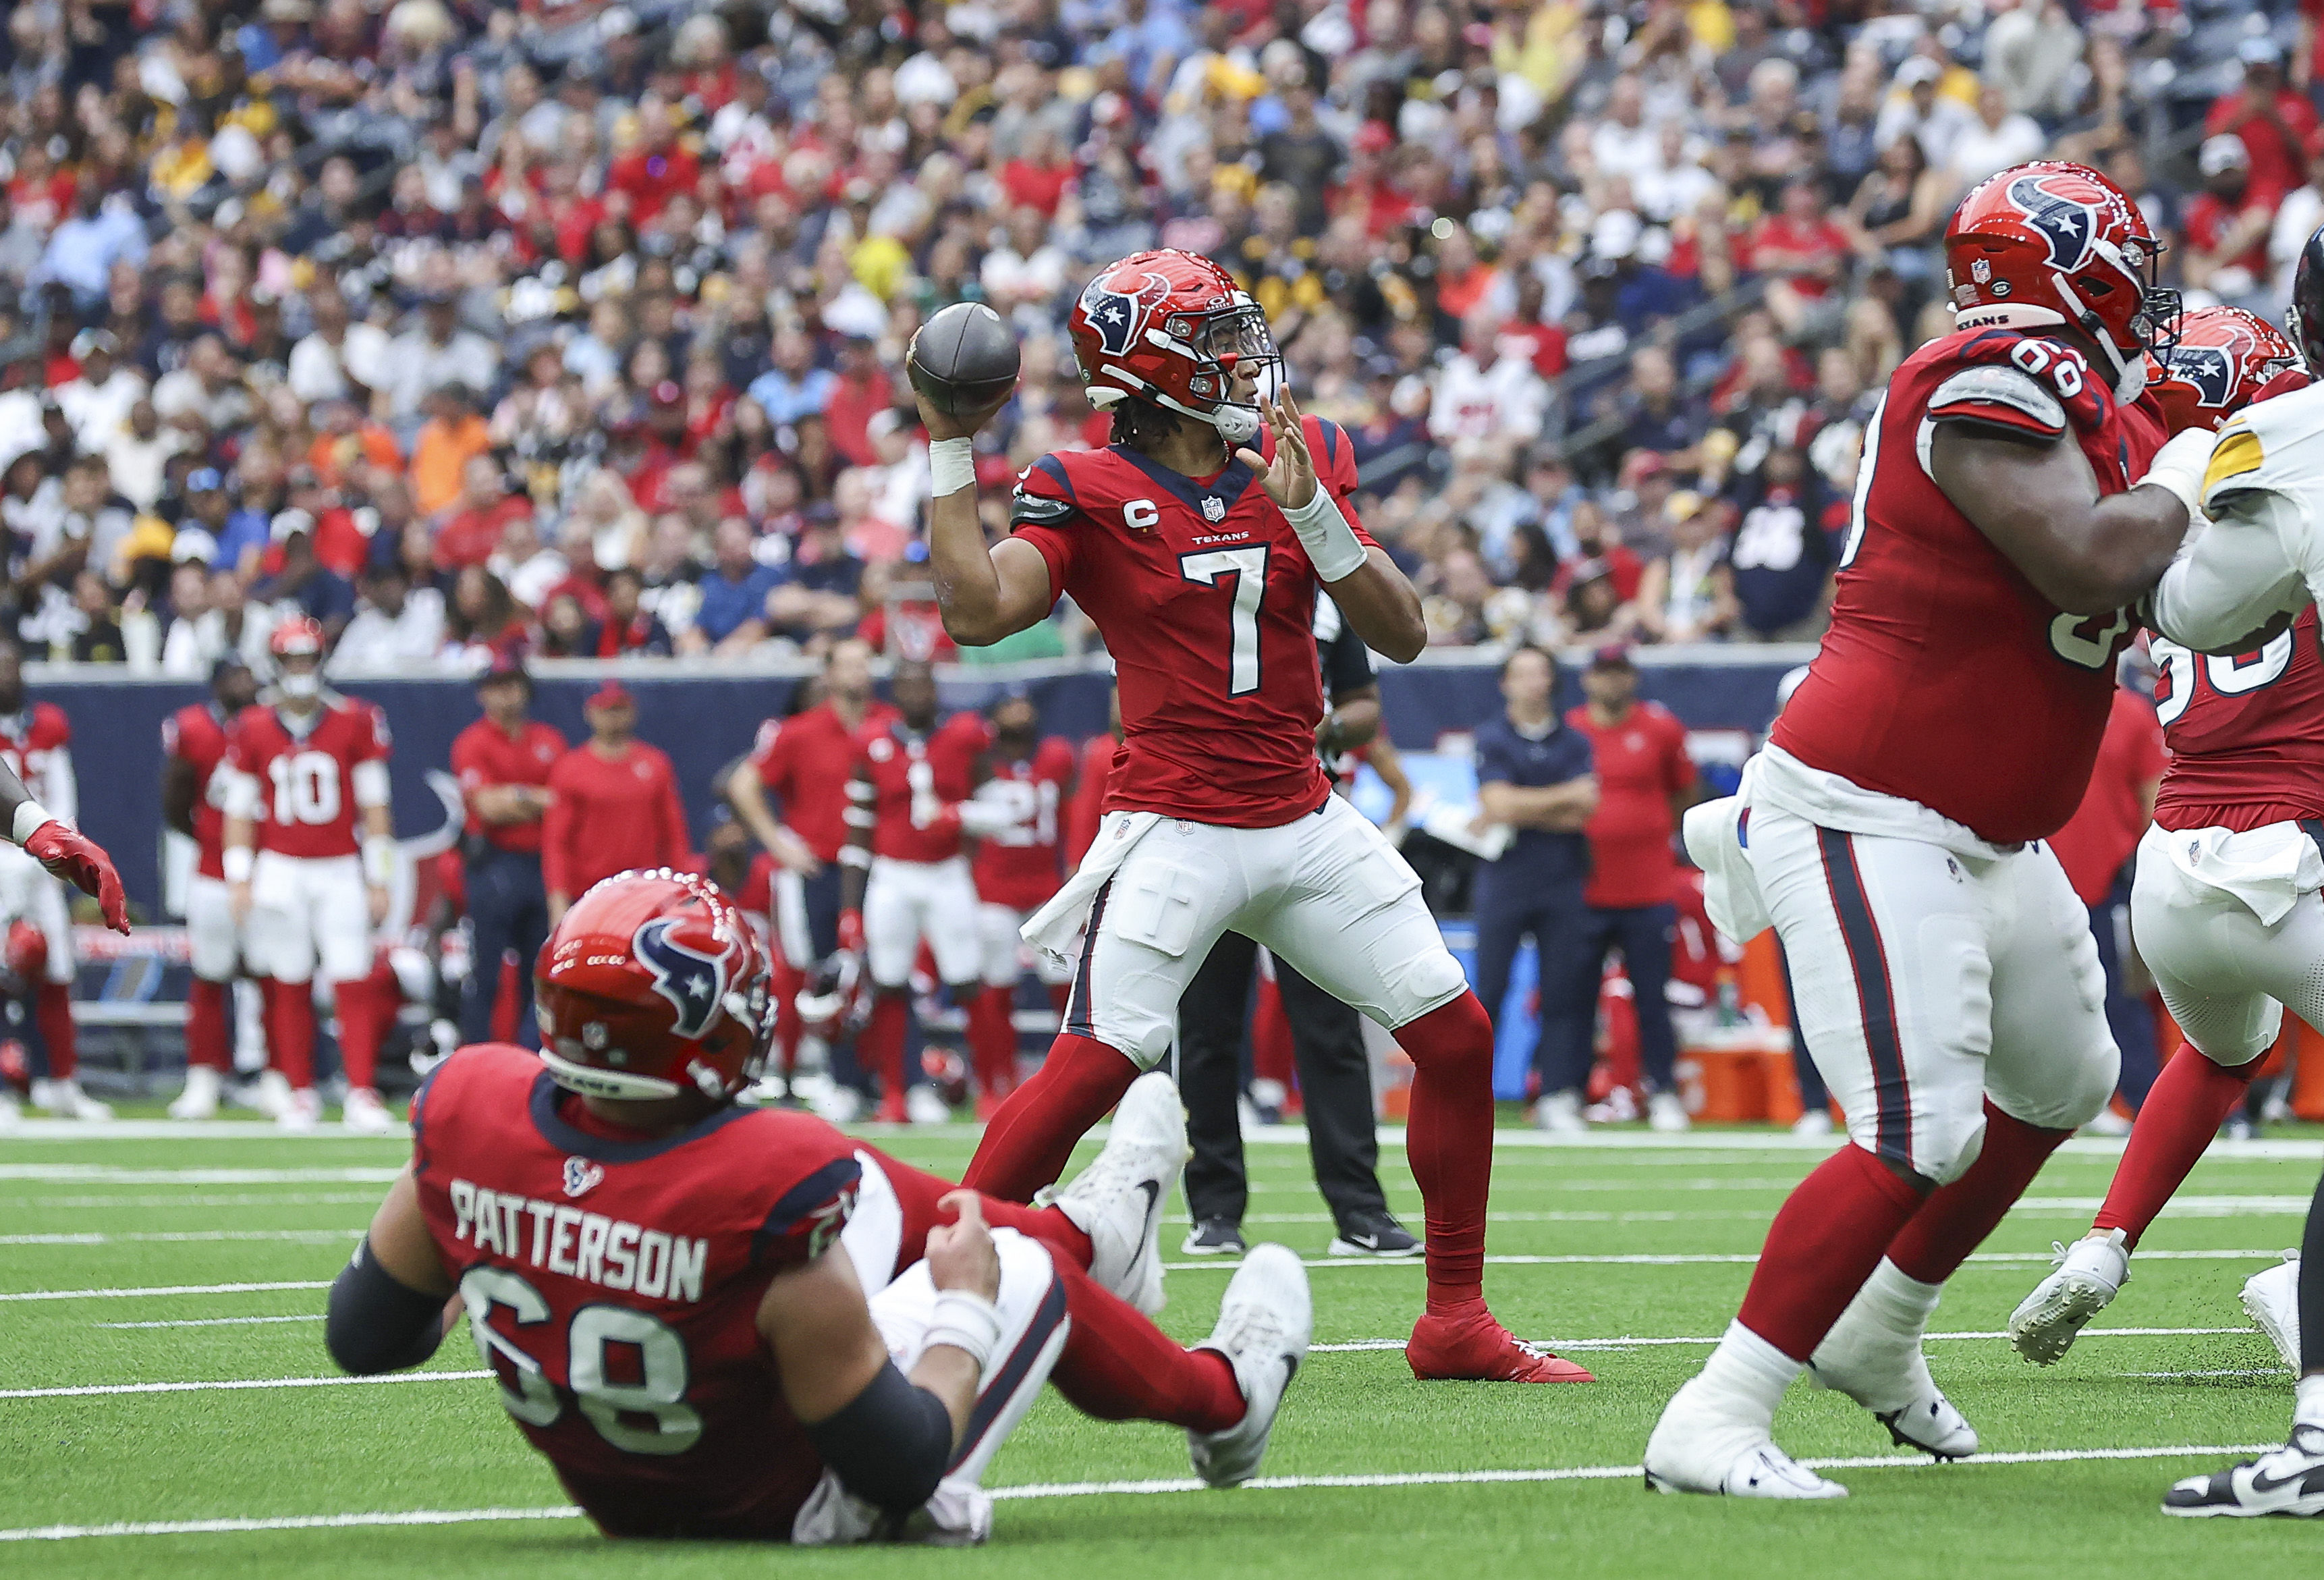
(717, 1321)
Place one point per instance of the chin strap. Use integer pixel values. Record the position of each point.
(2129, 380)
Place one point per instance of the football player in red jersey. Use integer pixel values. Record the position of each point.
(903, 878)
(1197, 541)
(1027, 782)
(1891, 830)
(308, 887)
(40, 796)
(718, 1320)
(193, 802)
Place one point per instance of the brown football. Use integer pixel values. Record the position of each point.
(964, 359)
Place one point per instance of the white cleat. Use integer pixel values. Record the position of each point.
(363, 1114)
(2090, 1273)
(1698, 1448)
(2272, 1299)
(2288, 1481)
(832, 1102)
(1884, 1369)
(66, 1100)
(270, 1095)
(1118, 1200)
(304, 1112)
(1814, 1122)
(1560, 1114)
(923, 1106)
(1665, 1112)
(10, 1112)
(1265, 1322)
(199, 1099)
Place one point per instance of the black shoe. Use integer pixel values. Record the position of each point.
(1373, 1234)
(1214, 1237)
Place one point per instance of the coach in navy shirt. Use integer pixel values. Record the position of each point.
(1534, 774)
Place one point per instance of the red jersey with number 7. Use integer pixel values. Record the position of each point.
(1206, 601)
(305, 770)
(1017, 865)
(1947, 678)
(612, 1279)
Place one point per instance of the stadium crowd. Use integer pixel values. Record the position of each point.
(478, 331)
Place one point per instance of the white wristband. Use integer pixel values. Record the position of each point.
(952, 466)
(379, 859)
(30, 816)
(2180, 466)
(966, 1321)
(237, 861)
(1324, 531)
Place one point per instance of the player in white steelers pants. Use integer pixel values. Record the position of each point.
(1326, 893)
(1004, 949)
(1927, 980)
(906, 901)
(2226, 976)
(307, 911)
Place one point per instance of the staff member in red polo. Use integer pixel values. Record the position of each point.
(1645, 779)
(2095, 848)
(613, 805)
(503, 762)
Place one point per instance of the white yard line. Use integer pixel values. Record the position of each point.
(289, 1198)
(163, 1289)
(95, 1390)
(102, 1174)
(1642, 1344)
(1705, 1259)
(182, 1236)
(1044, 1491)
(215, 1321)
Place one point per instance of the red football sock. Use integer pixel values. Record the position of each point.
(786, 989)
(919, 1192)
(1117, 1366)
(1449, 1140)
(993, 1040)
(206, 1045)
(1829, 1234)
(880, 1048)
(291, 1030)
(2189, 1101)
(359, 1031)
(52, 1010)
(1956, 1219)
(1271, 1036)
(1028, 1143)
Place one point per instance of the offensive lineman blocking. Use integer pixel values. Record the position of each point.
(1197, 542)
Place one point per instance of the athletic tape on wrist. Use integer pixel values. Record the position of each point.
(237, 860)
(379, 860)
(966, 1321)
(30, 816)
(952, 466)
(1324, 531)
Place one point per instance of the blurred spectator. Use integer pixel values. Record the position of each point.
(395, 624)
(1785, 554)
(2228, 224)
(2275, 121)
(1999, 137)
(732, 617)
(1688, 595)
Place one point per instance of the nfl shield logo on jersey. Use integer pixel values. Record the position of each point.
(1214, 509)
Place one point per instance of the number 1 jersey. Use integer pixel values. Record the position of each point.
(306, 777)
(1206, 601)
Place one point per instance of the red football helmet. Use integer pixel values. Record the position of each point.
(2051, 243)
(653, 984)
(1171, 326)
(299, 637)
(2223, 358)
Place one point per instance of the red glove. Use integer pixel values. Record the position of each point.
(81, 862)
(851, 931)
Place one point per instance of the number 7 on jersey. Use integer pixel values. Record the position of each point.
(1248, 566)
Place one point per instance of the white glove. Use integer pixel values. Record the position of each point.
(2179, 465)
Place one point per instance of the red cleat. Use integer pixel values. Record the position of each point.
(891, 1107)
(1470, 1345)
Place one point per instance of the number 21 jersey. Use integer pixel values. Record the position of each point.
(1947, 678)
(1206, 601)
(306, 777)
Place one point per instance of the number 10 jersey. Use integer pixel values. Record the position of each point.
(306, 776)
(1947, 678)
(1206, 601)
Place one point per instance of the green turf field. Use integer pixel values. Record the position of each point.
(112, 1252)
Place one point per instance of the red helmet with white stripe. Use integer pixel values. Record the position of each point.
(2051, 244)
(651, 985)
(299, 637)
(1172, 327)
(2225, 356)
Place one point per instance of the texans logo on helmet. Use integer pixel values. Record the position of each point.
(2066, 217)
(693, 982)
(1118, 304)
(2210, 369)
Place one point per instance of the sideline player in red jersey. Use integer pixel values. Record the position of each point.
(1197, 541)
(306, 885)
(716, 1321)
(903, 878)
(1891, 830)
(193, 802)
(34, 763)
(806, 761)
(1027, 783)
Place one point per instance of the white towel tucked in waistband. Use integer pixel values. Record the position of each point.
(2267, 869)
(1051, 928)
